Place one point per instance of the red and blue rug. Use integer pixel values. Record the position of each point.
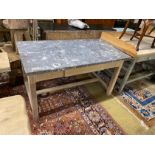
(137, 95)
(68, 112)
(141, 100)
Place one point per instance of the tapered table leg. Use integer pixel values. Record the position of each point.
(114, 78)
(127, 74)
(33, 97)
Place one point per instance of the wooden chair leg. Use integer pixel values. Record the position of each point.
(146, 26)
(137, 28)
(125, 28)
(151, 30)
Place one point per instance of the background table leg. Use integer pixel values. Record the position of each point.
(127, 74)
(114, 79)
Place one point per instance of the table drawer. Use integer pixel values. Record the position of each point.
(49, 75)
(92, 68)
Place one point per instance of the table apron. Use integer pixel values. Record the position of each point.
(48, 76)
(93, 68)
(32, 79)
(75, 71)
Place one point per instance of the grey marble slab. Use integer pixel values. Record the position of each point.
(45, 56)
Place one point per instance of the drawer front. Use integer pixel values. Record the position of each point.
(92, 68)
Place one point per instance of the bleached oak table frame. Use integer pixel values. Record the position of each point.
(31, 80)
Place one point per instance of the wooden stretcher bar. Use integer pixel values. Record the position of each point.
(66, 86)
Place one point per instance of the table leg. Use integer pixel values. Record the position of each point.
(129, 70)
(114, 79)
(26, 82)
(12, 32)
(33, 97)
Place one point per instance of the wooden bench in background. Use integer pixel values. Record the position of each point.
(4, 62)
(13, 116)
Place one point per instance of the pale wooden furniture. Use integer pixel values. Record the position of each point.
(4, 62)
(13, 57)
(31, 80)
(35, 28)
(70, 34)
(4, 67)
(16, 27)
(13, 116)
(44, 60)
(128, 46)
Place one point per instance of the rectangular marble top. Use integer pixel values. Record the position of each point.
(54, 55)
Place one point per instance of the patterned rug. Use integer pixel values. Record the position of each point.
(137, 96)
(4, 77)
(68, 112)
(142, 101)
